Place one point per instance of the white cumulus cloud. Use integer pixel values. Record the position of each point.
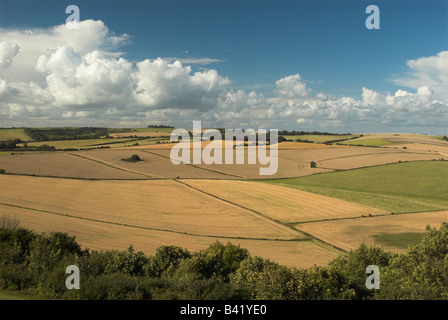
(428, 71)
(62, 76)
(8, 51)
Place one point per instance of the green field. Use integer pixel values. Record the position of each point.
(321, 138)
(18, 295)
(93, 143)
(398, 240)
(443, 138)
(11, 134)
(401, 187)
(367, 142)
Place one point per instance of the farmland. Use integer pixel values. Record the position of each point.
(368, 142)
(126, 202)
(379, 193)
(11, 134)
(98, 235)
(321, 138)
(392, 232)
(283, 204)
(401, 187)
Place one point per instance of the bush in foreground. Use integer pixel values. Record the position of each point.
(36, 263)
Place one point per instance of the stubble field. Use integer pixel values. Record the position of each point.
(349, 234)
(300, 216)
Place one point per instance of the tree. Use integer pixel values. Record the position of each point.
(133, 158)
(166, 258)
(353, 264)
(263, 279)
(127, 262)
(218, 259)
(421, 272)
(313, 164)
(47, 250)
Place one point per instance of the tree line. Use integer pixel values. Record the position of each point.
(53, 134)
(36, 263)
(11, 145)
(313, 133)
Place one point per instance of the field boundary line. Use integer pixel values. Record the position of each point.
(396, 151)
(333, 170)
(146, 228)
(80, 178)
(197, 167)
(348, 218)
(368, 217)
(311, 237)
(114, 166)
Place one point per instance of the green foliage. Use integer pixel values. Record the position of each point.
(11, 254)
(126, 262)
(37, 262)
(166, 259)
(44, 147)
(264, 279)
(186, 283)
(116, 286)
(94, 263)
(52, 284)
(2, 171)
(313, 133)
(15, 244)
(313, 164)
(420, 273)
(47, 134)
(9, 144)
(159, 126)
(46, 251)
(133, 158)
(353, 264)
(218, 259)
(16, 277)
(323, 283)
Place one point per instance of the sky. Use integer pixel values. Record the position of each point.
(288, 64)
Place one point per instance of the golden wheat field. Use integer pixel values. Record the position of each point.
(281, 203)
(285, 168)
(109, 203)
(105, 236)
(292, 162)
(375, 158)
(152, 164)
(349, 234)
(61, 164)
(162, 205)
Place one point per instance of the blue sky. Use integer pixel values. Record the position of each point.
(256, 43)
